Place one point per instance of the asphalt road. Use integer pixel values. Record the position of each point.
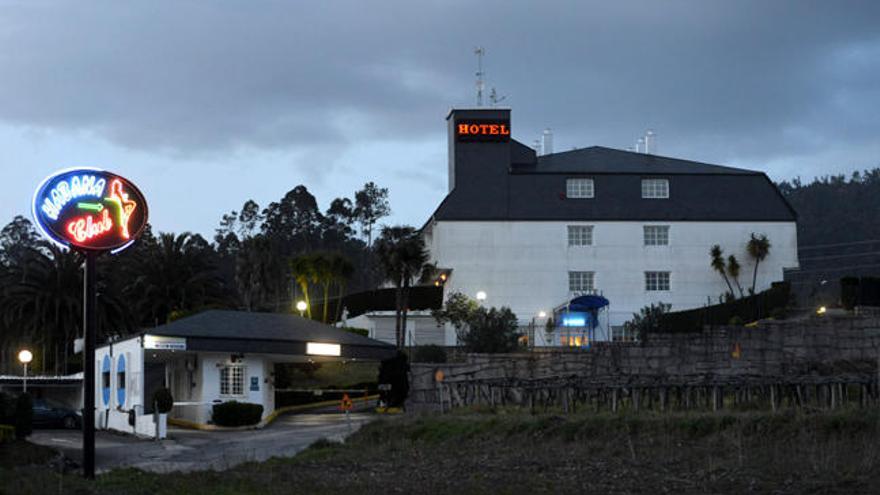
(193, 450)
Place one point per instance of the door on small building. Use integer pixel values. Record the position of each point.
(154, 379)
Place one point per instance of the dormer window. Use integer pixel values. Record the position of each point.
(655, 188)
(579, 188)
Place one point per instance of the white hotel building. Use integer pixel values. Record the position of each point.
(534, 232)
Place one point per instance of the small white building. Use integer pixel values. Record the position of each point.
(210, 358)
(535, 232)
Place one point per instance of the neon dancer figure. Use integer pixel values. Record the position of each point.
(125, 205)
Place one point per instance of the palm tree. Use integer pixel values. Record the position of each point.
(718, 264)
(342, 270)
(733, 269)
(42, 299)
(304, 273)
(175, 274)
(758, 248)
(402, 255)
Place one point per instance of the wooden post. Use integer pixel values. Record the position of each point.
(614, 399)
(773, 397)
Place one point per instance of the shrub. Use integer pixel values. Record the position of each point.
(7, 408)
(7, 433)
(395, 372)
(735, 321)
(163, 399)
(778, 313)
(430, 354)
(647, 320)
(237, 414)
(24, 416)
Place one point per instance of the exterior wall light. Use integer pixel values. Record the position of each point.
(481, 296)
(321, 349)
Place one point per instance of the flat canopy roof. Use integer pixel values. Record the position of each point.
(269, 333)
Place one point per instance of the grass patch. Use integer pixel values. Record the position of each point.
(508, 452)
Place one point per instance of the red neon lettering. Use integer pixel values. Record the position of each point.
(504, 130)
(85, 228)
(493, 129)
(484, 128)
(462, 128)
(474, 129)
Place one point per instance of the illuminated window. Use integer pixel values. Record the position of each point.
(580, 281)
(655, 188)
(655, 281)
(580, 235)
(656, 235)
(232, 380)
(579, 188)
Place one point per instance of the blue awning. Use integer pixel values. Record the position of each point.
(587, 303)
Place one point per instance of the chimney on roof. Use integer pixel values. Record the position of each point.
(640, 145)
(650, 142)
(547, 142)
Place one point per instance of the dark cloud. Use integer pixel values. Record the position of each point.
(747, 81)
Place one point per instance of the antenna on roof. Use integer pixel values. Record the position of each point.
(495, 99)
(479, 52)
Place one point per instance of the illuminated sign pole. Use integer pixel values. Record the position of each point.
(91, 211)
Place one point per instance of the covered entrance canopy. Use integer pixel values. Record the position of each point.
(241, 332)
(578, 321)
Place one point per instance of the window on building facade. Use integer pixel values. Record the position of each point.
(623, 333)
(656, 235)
(232, 380)
(655, 188)
(579, 188)
(580, 235)
(656, 281)
(580, 281)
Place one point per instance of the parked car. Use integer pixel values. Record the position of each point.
(51, 414)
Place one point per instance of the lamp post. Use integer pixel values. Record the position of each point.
(481, 296)
(301, 306)
(25, 356)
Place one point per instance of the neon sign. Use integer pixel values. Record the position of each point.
(89, 209)
(482, 130)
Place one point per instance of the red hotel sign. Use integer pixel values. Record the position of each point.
(483, 130)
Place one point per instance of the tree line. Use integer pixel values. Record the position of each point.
(260, 259)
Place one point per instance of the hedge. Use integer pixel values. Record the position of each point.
(237, 414)
(7, 433)
(429, 354)
(855, 291)
(755, 307)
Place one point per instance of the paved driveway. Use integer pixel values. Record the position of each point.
(191, 450)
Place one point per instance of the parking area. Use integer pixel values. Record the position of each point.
(193, 450)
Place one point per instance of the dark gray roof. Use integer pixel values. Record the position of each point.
(601, 160)
(535, 190)
(242, 331)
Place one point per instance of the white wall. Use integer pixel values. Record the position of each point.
(421, 327)
(114, 414)
(525, 265)
(208, 391)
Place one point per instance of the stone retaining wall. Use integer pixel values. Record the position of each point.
(809, 350)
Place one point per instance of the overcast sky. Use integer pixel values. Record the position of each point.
(208, 104)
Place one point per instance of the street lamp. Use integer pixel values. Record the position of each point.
(25, 356)
(481, 296)
(301, 306)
